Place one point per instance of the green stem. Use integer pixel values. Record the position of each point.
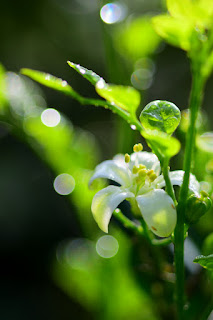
(138, 229)
(128, 224)
(195, 101)
(169, 187)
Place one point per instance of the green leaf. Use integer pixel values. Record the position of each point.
(87, 74)
(205, 261)
(176, 32)
(197, 12)
(205, 142)
(163, 145)
(51, 81)
(136, 39)
(160, 115)
(179, 8)
(127, 98)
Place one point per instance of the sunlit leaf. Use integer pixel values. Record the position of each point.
(176, 32)
(51, 81)
(136, 38)
(161, 143)
(205, 261)
(124, 97)
(179, 8)
(198, 12)
(205, 142)
(160, 115)
(62, 86)
(88, 74)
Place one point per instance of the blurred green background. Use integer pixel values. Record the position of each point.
(34, 219)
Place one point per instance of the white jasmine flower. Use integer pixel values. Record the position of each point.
(139, 179)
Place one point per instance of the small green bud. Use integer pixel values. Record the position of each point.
(197, 207)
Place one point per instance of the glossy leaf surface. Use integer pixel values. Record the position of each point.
(205, 261)
(50, 81)
(87, 74)
(127, 98)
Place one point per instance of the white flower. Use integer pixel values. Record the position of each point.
(138, 178)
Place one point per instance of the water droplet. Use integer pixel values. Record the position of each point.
(47, 77)
(50, 117)
(107, 247)
(133, 127)
(82, 71)
(113, 12)
(64, 184)
(101, 84)
(64, 83)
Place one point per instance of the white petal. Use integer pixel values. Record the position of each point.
(177, 180)
(105, 202)
(149, 159)
(158, 211)
(113, 170)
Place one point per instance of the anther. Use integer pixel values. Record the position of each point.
(142, 166)
(135, 148)
(142, 173)
(127, 158)
(135, 170)
(150, 172)
(140, 147)
(152, 177)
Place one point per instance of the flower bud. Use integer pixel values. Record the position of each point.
(197, 206)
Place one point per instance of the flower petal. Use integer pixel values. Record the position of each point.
(113, 170)
(105, 202)
(177, 180)
(149, 159)
(158, 211)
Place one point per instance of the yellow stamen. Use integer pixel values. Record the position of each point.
(135, 148)
(135, 170)
(142, 166)
(127, 158)
(142, 173)
(152, 177)
(140, 147)
(150, 172)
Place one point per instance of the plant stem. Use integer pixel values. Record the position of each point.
(169, 187)
(138, 229)
(195, 101)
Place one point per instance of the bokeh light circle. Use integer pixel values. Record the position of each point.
(64, 184)
(113, 12)
(50, 117)
(107, 247)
